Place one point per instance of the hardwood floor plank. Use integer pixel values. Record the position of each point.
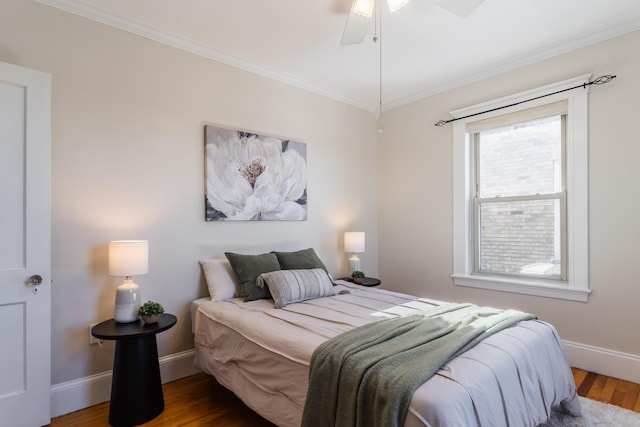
(631, 397)
(598, 388)
(585, 386)
(199, 400)
(608, 389)
(578, 375)
(617, 397)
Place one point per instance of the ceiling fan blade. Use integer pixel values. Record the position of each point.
(462, 8)
(358, 22)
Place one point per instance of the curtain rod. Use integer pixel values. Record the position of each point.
(598, 81)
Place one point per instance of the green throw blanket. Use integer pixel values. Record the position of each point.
(366, 377)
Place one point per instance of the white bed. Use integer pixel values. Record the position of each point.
(262, 354)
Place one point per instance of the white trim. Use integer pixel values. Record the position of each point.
(603, 361)
(526, 287)
(577, 287)
(540, 53)
(522, 96)
(192, 46)
(532, 56)
(88, 391)
(81, 393)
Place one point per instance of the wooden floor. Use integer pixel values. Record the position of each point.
(609, 390)
(200, 401)
(197, 400)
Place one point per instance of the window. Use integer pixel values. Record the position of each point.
(519, 203)
(520, 194)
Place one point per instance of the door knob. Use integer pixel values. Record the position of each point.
(35, 280)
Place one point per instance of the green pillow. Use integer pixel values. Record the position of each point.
(305, 259)
(248, 268)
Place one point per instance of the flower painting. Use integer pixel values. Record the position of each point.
(251, 177)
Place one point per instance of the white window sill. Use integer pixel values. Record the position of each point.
(523, 286)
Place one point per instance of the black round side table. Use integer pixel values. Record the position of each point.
(136, 387)
(366, 281)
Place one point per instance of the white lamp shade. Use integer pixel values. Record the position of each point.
(354, 241)
(128, 257)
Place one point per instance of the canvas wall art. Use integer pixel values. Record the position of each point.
(252, 177)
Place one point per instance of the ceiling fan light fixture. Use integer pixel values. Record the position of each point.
(396, 5)
(363, 8)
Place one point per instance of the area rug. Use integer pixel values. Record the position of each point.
(595, 414)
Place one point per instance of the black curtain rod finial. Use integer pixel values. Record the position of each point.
(603, 79)
(597, 81)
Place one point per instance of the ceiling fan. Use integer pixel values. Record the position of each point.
(362, 11)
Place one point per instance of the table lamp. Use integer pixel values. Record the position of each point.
(354, 243)
(128, 258)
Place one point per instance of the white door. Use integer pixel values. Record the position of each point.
(25, 247)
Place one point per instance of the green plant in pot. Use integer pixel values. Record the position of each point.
(150, 311)
(357, 276)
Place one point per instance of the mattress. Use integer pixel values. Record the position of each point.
(262, 354)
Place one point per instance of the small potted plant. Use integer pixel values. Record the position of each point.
(357, 276)
(150, 311)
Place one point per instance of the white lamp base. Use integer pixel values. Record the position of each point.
(354, 264)
(127, 302)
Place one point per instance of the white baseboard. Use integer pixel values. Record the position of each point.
(603, 361)
(81, 393)
(88, 391)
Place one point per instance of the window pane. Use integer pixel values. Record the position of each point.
(521, 159)
(520, 237)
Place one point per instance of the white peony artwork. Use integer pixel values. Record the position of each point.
(251, 177)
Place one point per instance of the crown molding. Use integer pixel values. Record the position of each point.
(511, 63)
(80, 8)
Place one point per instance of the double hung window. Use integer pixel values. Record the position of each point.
(519, 206)
(520, 199)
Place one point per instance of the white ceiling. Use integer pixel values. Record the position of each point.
(425, 48)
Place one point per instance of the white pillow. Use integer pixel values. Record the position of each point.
(221, 280)
(289, 286)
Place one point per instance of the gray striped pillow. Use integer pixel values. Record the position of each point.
(289, 286)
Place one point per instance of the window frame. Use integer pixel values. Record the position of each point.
(576, 287)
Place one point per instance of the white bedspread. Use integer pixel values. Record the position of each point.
(262, 354)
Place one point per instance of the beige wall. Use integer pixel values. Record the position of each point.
(128, 117)
(415, 181)
(127, 163)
